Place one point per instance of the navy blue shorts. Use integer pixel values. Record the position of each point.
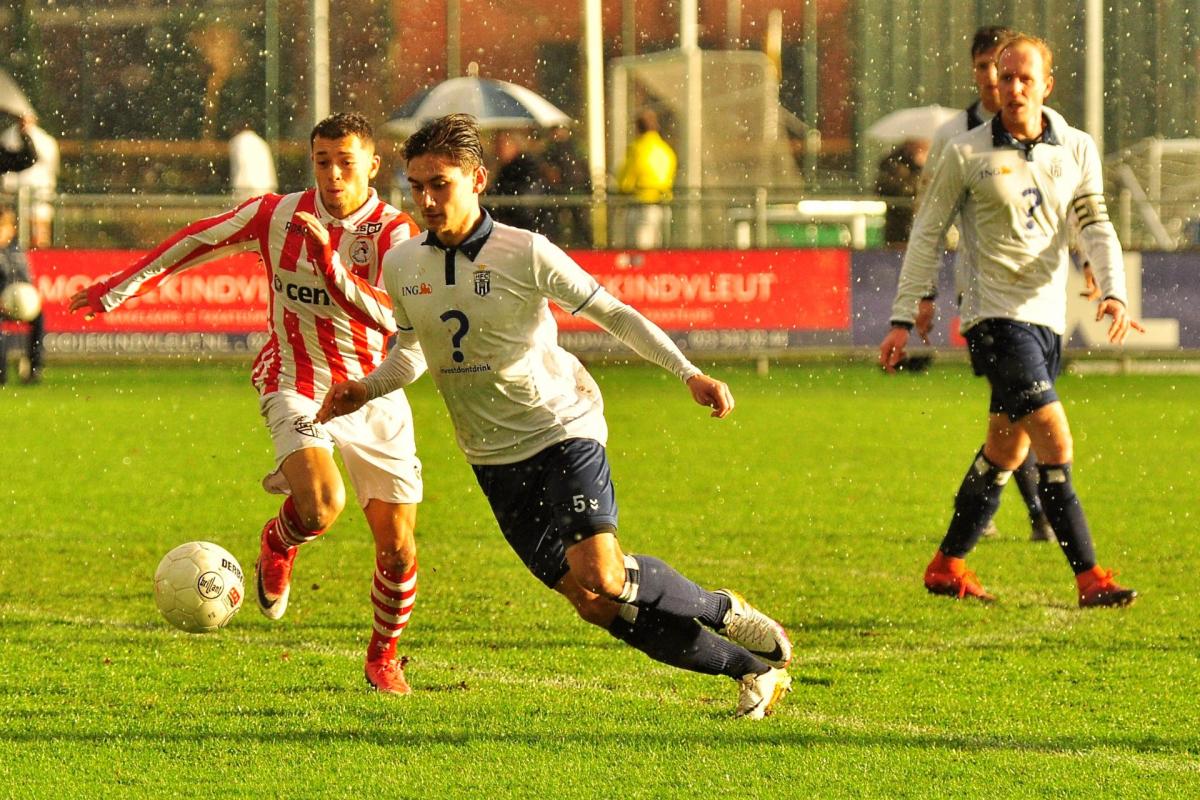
(550, 501)
(1021, 362)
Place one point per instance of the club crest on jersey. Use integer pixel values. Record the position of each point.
(362, 252)
(369, 228)
(483, 282)
(1056, 168)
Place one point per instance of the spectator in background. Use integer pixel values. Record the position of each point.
(897, 181)
(40, 178)
(518, 174)
(648, 176)
(251, 166)
(565, 173)
(14, 267)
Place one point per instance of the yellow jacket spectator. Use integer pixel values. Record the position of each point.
(648, 176)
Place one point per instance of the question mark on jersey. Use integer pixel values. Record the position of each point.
(457, 337)
(1036, 195)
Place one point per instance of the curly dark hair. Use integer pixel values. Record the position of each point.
(341, 125)
(454, 136)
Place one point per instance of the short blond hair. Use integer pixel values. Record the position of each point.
(1035, 42)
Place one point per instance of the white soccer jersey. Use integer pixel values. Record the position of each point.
(322, 330)
(1017, 206)
(481, 314)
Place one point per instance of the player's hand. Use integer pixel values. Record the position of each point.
(712, 393)
(891, 350)
(1092, 289)
(344, 398)
(926, 314)
(81, 302)
(1121, 321)
(313, 229)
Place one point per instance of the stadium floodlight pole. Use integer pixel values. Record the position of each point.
(453, 38)
(1093, 72)
(593, 42)
(693, 92)
(271, 72)
(320, 60)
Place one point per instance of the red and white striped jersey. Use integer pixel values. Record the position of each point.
(323, 329)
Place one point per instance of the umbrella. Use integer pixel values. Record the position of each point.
(12, 99)
(494, 104)
(910, 123)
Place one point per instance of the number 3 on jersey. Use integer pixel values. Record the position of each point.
(460, 325)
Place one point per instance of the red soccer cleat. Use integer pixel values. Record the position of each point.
(273, 576)
(950, 576)
(1098, 589)
(387, 675)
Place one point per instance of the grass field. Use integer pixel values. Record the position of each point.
(821, 498)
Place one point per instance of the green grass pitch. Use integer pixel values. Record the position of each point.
(821, 499)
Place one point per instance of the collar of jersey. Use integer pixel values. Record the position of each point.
(974, 118)
(351, 222)
(1002, 138)
(469, 246)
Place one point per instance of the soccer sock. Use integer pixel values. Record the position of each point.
(288, 531)
(974, 506)
(1027, 481)
(393, 596)
(1066, 516)
(683, 643)
(651, 583)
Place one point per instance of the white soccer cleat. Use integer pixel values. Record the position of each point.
(758, 694)
(755, 631)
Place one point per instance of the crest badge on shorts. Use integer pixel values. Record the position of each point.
(483, 282)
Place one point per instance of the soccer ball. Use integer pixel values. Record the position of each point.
(20, 301)
(198, 587)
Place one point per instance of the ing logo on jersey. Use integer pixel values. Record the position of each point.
(483, 282)
(992, 173)
(416, 288)
(362, 251)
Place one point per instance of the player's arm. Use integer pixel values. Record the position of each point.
(404, 364)
(1100, 246)
(199, 243)
(576, 291)
(362, 301)
(922, 257)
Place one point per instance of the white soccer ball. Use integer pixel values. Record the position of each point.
(198, 587)
(20, 301)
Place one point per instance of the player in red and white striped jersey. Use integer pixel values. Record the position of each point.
(324, 328)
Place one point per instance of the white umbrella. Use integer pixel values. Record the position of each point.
(494, 104)
(12, 99)
(910, 123)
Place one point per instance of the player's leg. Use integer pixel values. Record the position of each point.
(393, 590)
(1051, 436)
(683, 643)
(307, 474)
(1027, 477)
(379, 450)
(37, 342)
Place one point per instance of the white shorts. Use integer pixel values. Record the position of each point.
(376, 443)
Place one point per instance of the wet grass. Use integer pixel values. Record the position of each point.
(821, 498)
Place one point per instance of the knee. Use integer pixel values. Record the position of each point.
(595, 610)
(604, 579)
(319, 509)
(396, 559)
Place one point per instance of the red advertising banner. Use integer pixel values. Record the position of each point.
(225, 296)
(686, 290)
(717, 300)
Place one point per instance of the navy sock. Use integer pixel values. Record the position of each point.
(1027, 481)
(1066, 516)
(652, 583)
(974, 506)
(683, 643)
